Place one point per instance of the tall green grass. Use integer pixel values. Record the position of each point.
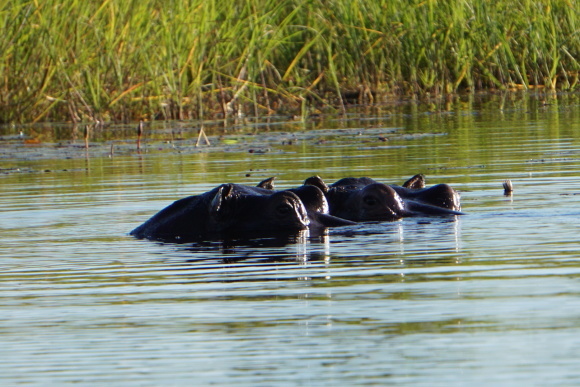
(124, 60)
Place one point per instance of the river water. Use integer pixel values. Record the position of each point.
(489, 298)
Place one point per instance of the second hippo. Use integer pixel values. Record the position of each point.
(364, 199)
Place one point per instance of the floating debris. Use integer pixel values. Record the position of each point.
(264, 150)
(508, 187)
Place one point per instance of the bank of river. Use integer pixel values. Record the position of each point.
(486, 298)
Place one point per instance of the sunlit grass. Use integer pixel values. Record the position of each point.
(127, 60)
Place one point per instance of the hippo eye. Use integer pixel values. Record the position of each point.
(283, 209)
(370, 200)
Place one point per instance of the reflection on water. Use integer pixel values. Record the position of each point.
(486, 298)
(439, 234)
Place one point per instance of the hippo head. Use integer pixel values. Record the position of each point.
(317, 208)
(375, 201)
(442, 195)
(234, 213)
(354, 182)
(379, 202)
(312, 197)
(285, 211)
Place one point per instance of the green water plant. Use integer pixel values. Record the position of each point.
(106, 60)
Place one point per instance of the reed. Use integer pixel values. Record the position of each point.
(105, 60)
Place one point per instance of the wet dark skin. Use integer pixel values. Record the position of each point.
(364, 199)
(317, 208)
(440, 195)
(230, 210)
(239, 211)
(374, 201)
(233, 210)
(315, 202)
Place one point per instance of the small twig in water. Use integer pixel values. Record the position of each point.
(87, 130)
(202, 133)
(139, 134)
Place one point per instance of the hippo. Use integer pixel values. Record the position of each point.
(318, 208)
(230, 210)
(315, 202)
(364, 199)
(239, 211)
(440, 195)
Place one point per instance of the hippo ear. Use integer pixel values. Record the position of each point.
(317, 182)
(416, 182)
(267, 184)
(218, 206)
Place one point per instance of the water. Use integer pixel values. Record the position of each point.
(490, 298)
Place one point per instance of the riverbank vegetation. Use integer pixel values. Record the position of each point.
(111, 60)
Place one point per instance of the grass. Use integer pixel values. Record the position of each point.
(109, 60)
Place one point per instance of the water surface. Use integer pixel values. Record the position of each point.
(490, 298)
